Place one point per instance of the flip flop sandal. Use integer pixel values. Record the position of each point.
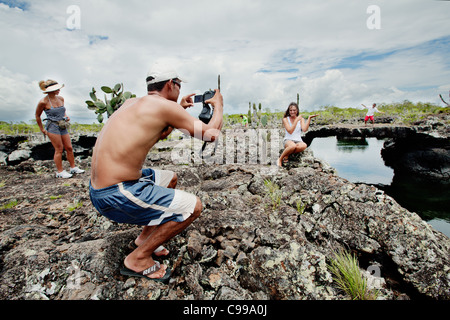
(147, 272)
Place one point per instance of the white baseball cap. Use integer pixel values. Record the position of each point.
(160, 72)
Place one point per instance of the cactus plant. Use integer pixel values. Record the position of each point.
(118, 97)
(256, 117)
(448, 104)
(264, 120)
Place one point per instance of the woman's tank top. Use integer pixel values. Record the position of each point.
(55, 114)
(296, 135)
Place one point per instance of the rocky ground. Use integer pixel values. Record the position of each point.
(249, 243)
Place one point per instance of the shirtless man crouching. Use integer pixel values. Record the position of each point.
(123, 191)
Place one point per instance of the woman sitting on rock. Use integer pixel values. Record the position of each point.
(293, 124)
(56, 126)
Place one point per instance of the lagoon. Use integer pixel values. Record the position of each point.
(359, 161)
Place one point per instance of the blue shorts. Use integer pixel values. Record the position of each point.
(146, 201)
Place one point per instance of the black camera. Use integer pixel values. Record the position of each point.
(207, 111)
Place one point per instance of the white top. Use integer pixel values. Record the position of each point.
(296, 135)
(371, 111)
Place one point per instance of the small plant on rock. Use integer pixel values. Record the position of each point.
(75, 206)
(345, 268)
(300, 206)
(273, 192)
(9, 205)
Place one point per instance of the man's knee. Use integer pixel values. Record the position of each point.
(198, 209)
(173, 182)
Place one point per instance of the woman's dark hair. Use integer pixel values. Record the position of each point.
(286, 114)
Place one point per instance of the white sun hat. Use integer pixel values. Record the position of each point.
(160, 72)
(53, 86)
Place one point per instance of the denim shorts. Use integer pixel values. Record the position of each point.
(294, 141)
(146, 201)
(55, 129)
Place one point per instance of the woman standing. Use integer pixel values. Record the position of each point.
(293, 124)
(56, 126)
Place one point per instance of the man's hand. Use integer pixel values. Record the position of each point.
(187, 102)
(217, 100)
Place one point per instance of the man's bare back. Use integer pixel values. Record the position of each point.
(134, 129)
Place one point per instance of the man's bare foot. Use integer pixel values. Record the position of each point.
(159, 252)
(279, 163)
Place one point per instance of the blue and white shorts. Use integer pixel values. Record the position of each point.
(146, 201)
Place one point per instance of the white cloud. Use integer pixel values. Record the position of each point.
(17, 100)
(265, 51)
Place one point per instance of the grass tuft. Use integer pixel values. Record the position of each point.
(348, 277)
(273, 192)
(9, 205)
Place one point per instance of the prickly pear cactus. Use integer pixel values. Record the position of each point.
(109, 106)
(264, 120)
(256, 118)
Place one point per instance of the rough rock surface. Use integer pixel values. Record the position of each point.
(248, 243)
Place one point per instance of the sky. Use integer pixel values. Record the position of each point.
(341, 53)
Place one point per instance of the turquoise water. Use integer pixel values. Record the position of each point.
(359, 160)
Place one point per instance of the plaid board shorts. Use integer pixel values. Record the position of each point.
(146, 201)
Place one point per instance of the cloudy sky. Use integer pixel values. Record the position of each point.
(332, 52)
